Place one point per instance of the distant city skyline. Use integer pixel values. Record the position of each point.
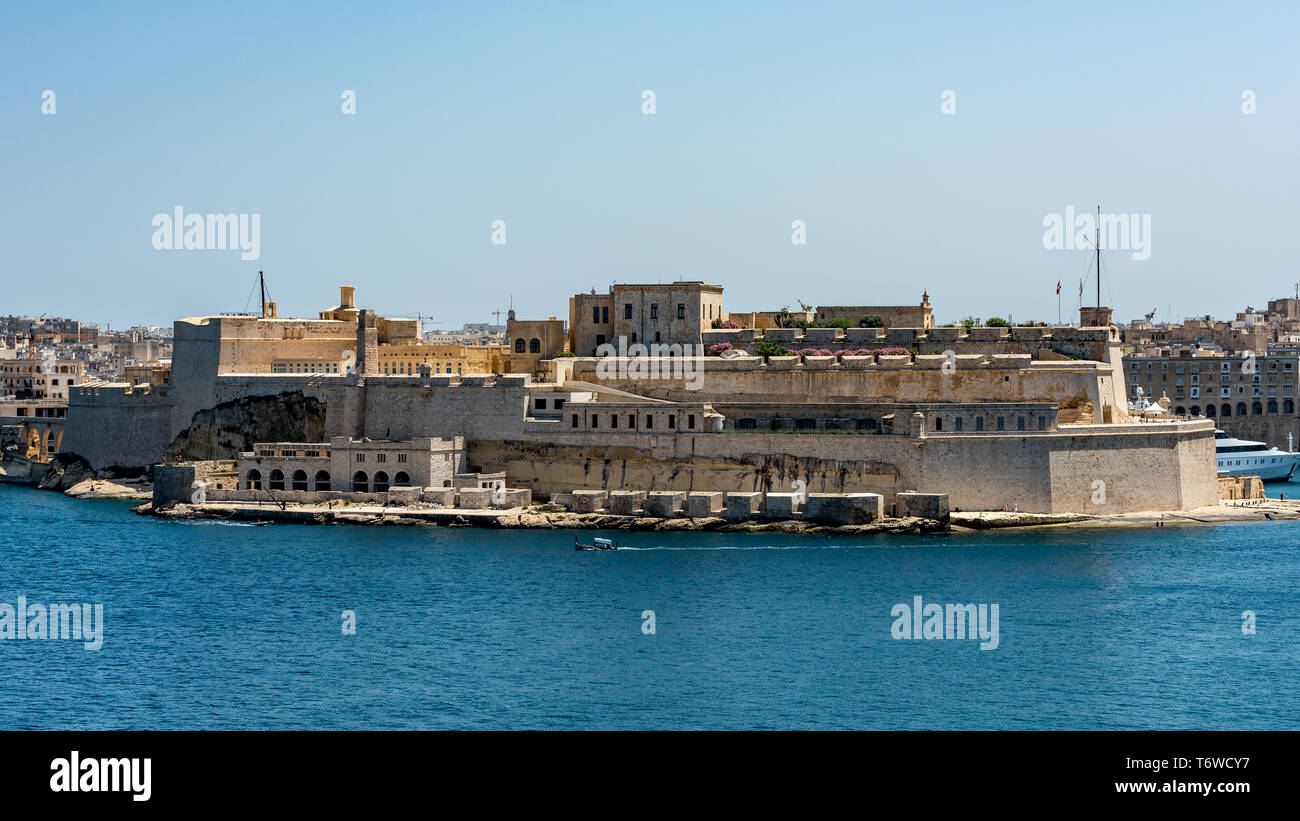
(910, 148)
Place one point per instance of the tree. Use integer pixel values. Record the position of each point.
(871, 321)
(997, 322)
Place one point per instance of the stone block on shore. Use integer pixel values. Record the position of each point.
(588, 501)
(513, 497)
(781, 505)
(845, 508)
(922, 505)
(741, 506)
(626, 502)
(474, 498)
(439, 496)
(704, 505)
(664, 504)
(402, 496)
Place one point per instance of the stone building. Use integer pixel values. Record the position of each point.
(41, 378)
(352, 465)
(893, 316)
(673, 314)
(532, 341)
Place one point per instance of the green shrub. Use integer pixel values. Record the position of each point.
(842, 322)
(765, 348)
(997, 322)
(871, 321)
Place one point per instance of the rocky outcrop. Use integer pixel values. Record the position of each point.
(226, 430)
(64, 471)
(104, 489)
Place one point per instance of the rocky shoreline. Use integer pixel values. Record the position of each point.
(535, 518)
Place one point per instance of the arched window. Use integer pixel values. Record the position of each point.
(360, 482)
(1257, 408)
(255, 480)
(300, 480)
(381, 482)
(1288, 407)
(1272, 406)
(519, 345)
(1180, 410)
(1209, 411)
(1241, 408)
(322, 480)
(277, 480)
(534, 345)
(401, 479)
(1196, 410)
(1226, 410)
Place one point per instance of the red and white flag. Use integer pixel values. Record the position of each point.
(1058, 287)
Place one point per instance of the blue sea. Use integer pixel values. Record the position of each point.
(212, 625)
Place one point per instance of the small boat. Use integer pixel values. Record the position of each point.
(599, 544)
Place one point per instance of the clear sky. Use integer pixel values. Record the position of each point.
(531, 113)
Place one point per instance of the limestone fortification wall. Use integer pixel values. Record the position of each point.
(1072, 385)
(113, 426)
(1143, 467)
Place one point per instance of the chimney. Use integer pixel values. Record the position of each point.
(347, 296)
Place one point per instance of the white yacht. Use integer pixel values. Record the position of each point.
(1242, 457)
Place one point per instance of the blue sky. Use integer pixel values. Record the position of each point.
(531, 114)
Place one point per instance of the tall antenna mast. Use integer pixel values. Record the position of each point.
(261, 281)
(1098, 263)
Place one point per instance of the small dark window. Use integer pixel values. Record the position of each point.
(541, 404)
(681, 310)
(534, 345)
(574, 421)
(672, 421)
(746, 424)
(631, 421)
(1020, 423)
(559, 403)
(604, 315)
(1001, 423)
(654, 311)
(595, 315)
(690, 421)
(613, 420)
(627, 310)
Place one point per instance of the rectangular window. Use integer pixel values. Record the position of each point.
(958, 423)
(574, 422)
(690, 421)
(401, 457)
(649, 422)
(979, 423)
(595, 314)
(672, 421)
(1042, 423)
(383, 457)
(1020, 423)
(559, 403)
(681, 310)
(631, 421)
(613, 421)
(541, 404)
(361, 457)
(595, 421)
(627, 310)
(604, 315)
(654, 311)
(1001, 423)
